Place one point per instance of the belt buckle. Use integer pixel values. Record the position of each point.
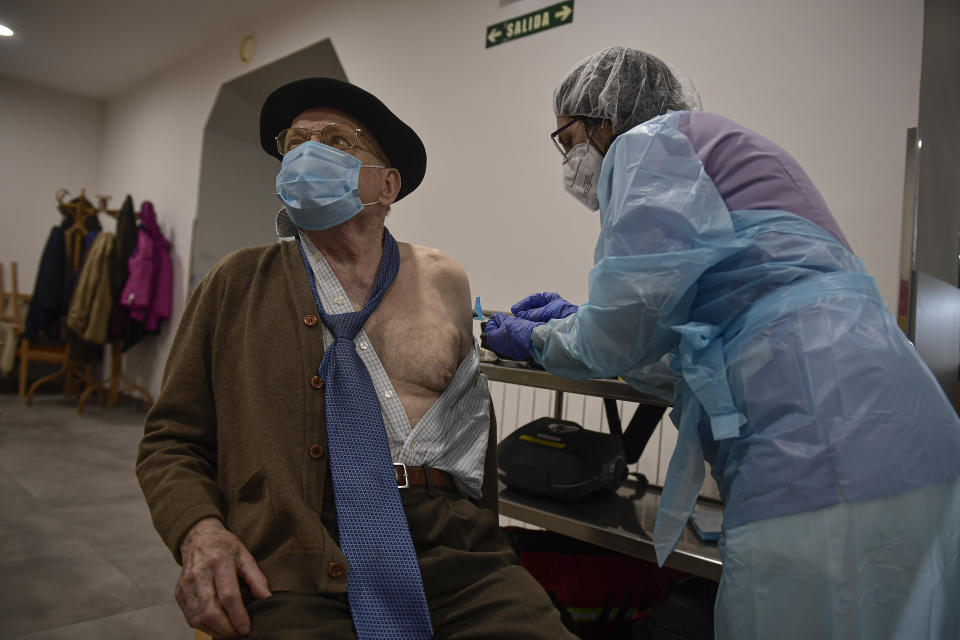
(402, 468)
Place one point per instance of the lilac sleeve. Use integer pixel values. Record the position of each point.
(751, 172)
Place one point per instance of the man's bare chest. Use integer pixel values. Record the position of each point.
(416, 339)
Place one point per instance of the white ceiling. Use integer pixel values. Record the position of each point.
(100, 48)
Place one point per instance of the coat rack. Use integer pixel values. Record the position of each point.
(72, 370)
(117, 376)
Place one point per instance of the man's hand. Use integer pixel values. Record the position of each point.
(208, 591)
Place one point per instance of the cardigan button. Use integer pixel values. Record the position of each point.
(335, 569)
(310, 320)
(316, 382)
(316, 452)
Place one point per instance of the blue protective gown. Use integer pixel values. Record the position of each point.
(795, 382)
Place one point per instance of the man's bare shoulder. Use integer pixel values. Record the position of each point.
(446, 282)
(439, 268)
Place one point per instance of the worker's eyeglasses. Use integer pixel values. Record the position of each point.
(562, 142)
(337, 135)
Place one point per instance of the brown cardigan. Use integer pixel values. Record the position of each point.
(238, 432)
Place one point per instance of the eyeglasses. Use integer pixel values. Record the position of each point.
(561, 146)
(337, 135)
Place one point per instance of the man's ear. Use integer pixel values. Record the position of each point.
(389, 187)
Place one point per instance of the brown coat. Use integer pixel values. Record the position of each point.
(238, 432)
(90, 306)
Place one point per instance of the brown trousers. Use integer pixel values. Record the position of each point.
(474, 588)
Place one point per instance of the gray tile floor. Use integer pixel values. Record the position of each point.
(79, 558)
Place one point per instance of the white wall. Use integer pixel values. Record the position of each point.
(836, 84)
(49, 140)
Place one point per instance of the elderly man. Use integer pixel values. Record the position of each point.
(316, 457)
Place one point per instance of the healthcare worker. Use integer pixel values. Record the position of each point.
(836, 453)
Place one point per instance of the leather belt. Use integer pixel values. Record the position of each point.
(408, 476)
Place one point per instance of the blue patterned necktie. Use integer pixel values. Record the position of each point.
(384, 586)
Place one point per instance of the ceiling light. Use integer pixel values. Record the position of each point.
(5, 30)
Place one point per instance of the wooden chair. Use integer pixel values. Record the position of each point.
(32, 353)
(13, 304)
(13, 308)
(56, 354)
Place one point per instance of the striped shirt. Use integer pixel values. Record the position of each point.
(452, 434)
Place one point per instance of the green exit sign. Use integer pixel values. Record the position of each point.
(530, 23)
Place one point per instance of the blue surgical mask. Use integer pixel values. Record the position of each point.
(318, 186)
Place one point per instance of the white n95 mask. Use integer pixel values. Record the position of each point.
(581, 172)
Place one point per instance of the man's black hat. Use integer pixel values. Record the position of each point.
(402, 145)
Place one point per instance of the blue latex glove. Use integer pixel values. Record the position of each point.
(509, 336)
(541, 307)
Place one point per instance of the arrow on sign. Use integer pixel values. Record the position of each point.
(494, 35)
(564, 13)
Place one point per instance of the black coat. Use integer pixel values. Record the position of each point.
(55, 278)
(126, 240)
(129, 331)
(50, 293)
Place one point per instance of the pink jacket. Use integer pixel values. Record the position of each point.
(148, 292)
